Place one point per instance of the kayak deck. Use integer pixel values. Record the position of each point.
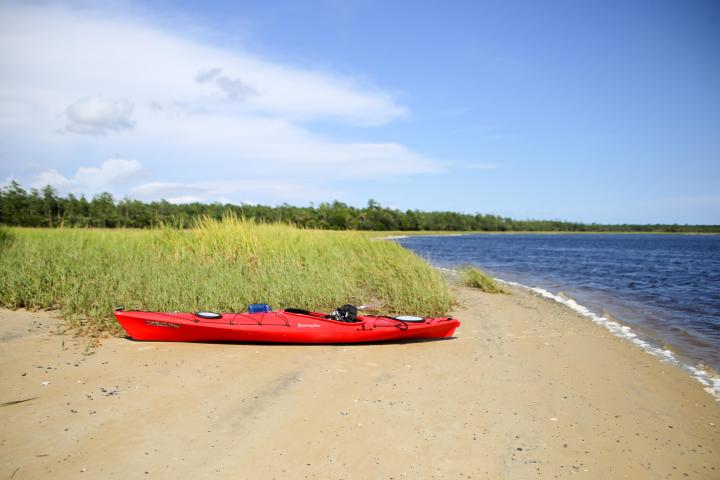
(278, 327)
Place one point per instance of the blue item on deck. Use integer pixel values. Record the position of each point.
(258, 308)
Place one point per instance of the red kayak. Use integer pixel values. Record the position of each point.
(282, 326)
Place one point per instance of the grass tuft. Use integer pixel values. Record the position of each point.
(5, 237)
(476, 278)
(218, 265)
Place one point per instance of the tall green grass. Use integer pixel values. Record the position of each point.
(218, 265)
(476, 278)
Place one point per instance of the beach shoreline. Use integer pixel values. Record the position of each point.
(649, 291)
(527, 388)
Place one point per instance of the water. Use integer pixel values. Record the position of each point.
(665, 287)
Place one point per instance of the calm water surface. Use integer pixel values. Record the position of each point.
(667, 287)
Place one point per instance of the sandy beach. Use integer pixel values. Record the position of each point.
(527, 389)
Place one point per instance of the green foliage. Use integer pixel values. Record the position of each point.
(46, 209)
(5, 237)
(220, 265)
(476, 278)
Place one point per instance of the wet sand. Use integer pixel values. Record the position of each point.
(527, 389)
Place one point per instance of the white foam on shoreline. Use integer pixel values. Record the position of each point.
(710, 383)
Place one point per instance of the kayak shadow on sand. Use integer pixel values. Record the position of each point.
(278, 344)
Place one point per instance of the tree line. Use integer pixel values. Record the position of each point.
(45, 208)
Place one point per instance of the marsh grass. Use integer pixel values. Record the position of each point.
(218, 265)
(5, 237)
(476, 278)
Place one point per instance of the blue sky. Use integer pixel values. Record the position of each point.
(591, 111)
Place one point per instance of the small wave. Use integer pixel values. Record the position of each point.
(449, 270)
(710, 383)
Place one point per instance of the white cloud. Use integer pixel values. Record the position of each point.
(234, 88)
(207, 75)
(90, 179)
(51, 52)
(229, 191)
(97, 115)
(190, 112)
(51, 177)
